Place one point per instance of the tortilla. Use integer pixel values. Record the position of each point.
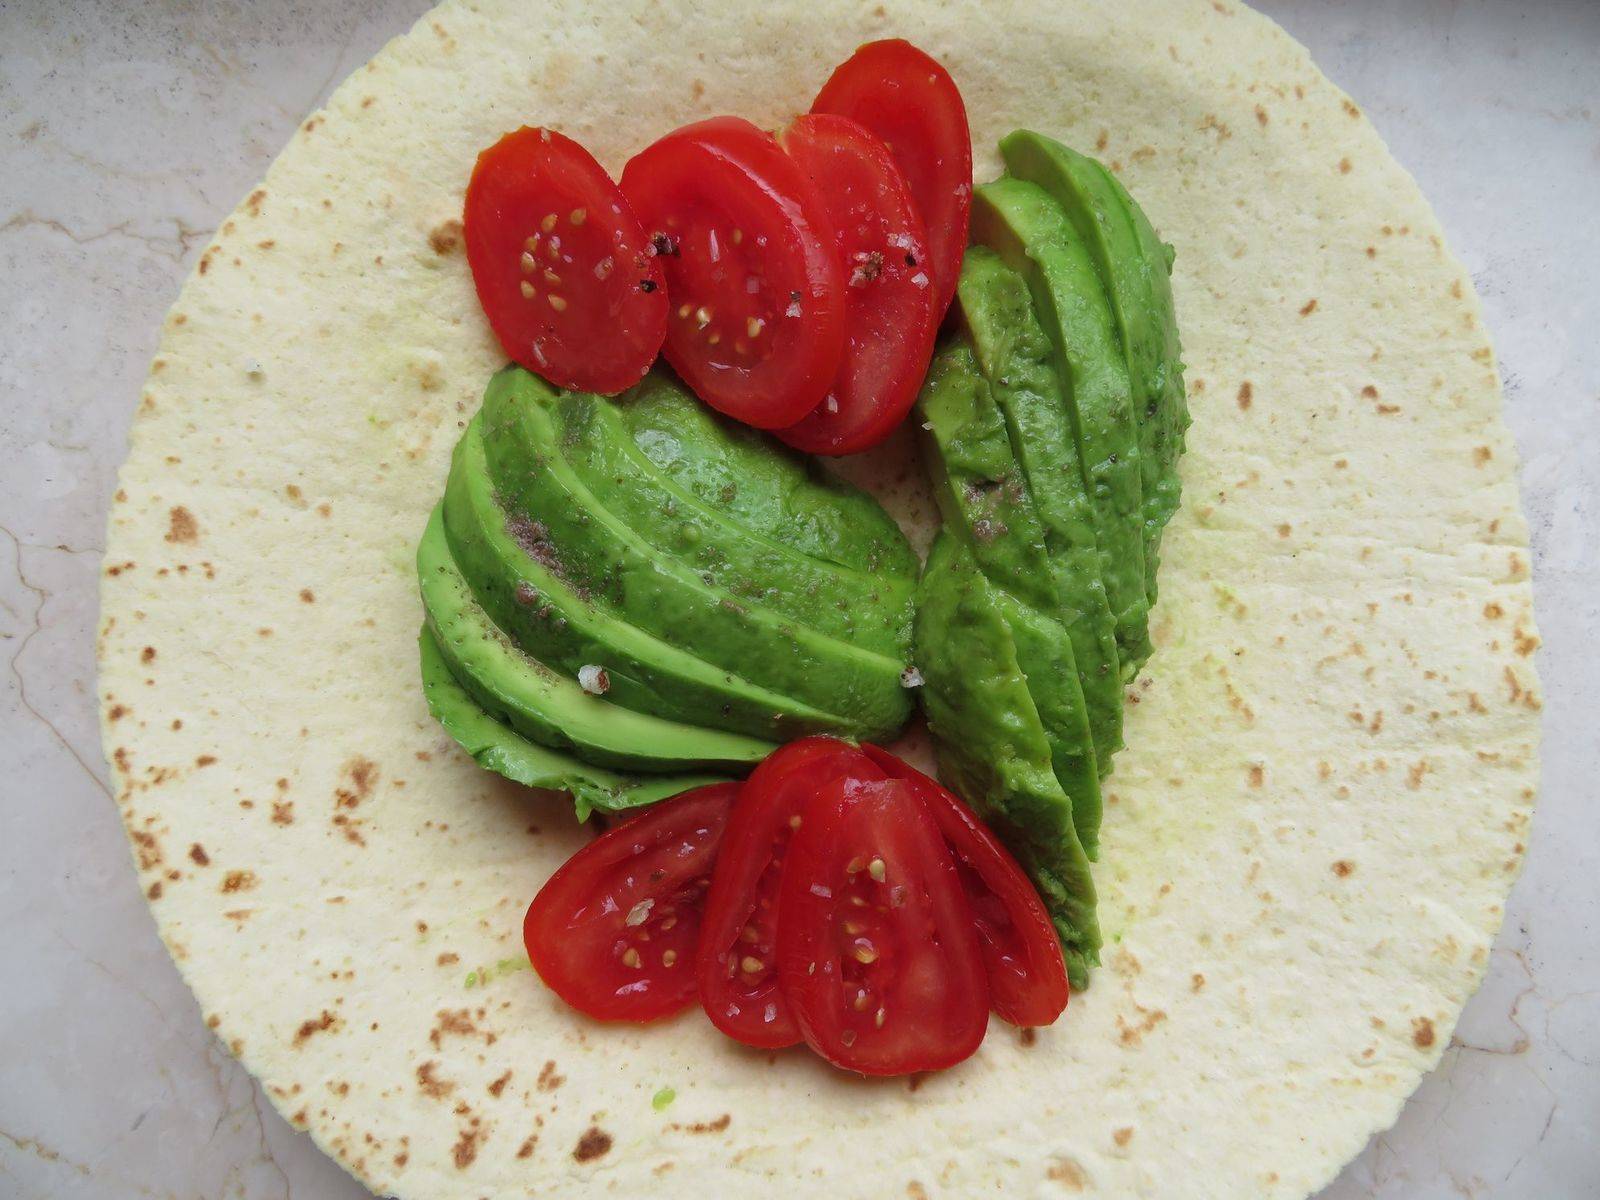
(1331, 756)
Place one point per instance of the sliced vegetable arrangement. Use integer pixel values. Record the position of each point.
(837, 897)
(630, 594)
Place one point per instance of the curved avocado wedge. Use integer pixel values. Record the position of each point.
(505, 752)
(859, 690)
(521, 582)
(548, 708)
(991, 743)
(769, 488)
(1018, 362)
(988, 506)
(758, 570)
(1033, 236)
(1094, 203)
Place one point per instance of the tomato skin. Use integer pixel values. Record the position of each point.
(909, 100)
(576, 929)
(741, 912)
(1021, 952)
(542, 277)
(890, 317)
(756, 315)
(872, 920)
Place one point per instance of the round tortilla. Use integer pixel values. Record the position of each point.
(1331, 756)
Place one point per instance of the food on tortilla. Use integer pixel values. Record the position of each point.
(1350, 543)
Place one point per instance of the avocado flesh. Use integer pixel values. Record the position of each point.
(1136, 283)
(858, 690)
(1033, 236)
(991, 744)
(1018, 362)
(758, 570)
(768, 488)
(500, 749)
(550, 708)
(986, 504)
(533, 600)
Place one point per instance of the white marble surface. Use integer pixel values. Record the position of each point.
(128, 130)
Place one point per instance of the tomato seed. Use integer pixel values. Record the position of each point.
(751, 965)
(548, 223)
(527, 290)
(877, 1018)
(579, 216)
(670, 957)
(855, 865)
(753, 325)
(864, 954)
(684, 310)
(630, 958)
(702, 316)
(877, 870)
(558, 303)
(552, 278)
(528, 263)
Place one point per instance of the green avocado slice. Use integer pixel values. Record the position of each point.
(524, 586)
(505, 752)
(987, 505)
(550, 708)
(859, 690)
(759, 570)
(784, 496)
(1102, 213)
(991, 744)
(1033, 236)
(1018, 362)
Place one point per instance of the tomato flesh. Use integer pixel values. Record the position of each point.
(561, 264)
(882, 249)
(876, 946)
(906, 98)
(738, 967)
(756, 321)
(615, 930)
(1021, 952)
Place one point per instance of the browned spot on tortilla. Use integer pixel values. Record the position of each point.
(466, 1147)
(1196, 982)
(1369, 392)
(238, 914)
(198, 855)
(1388, 410)
(315, 1025)
(915, 1191)
(499, 1085)
(448, 960)
(1027, 1035)
(1344, 166)
(548, 1080)
(307, 596)
(238, 881)
(594, 1143)
(1372, 252)
(431, 1085)
(716, 1126)
(254, 202)
(1122, 1136)
(1309, 307)
(1257, 775)
(1103, 140)
(1350, 109)
(205, 760)
(117, 712)
(1415, 772)
(697, 89)
(1261, 115)
(1246, 395)
(1422, 1032)
(1343, 868)
(526, 1149)
(147, 655)
(283, 812)
(311, 125)
(457, 1021)
(445, 237)
(182, 527)
(1525, 643)
(1068, 1173)
(325, 509)
(1216, 125)
(153, 892)
(1133, 1034)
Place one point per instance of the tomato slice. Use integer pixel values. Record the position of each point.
(561, 264)
(910, 101)
(756, 321)
(877, 951)
(1021, 953)
(614, 931)
(738, 967)
(882, 249)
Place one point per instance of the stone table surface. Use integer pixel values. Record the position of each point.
(128, 130)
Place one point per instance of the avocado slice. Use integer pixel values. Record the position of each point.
(1033, 236)
(502, 750)
(991, 744)
(1102, 213)
(1018, 361)
(759, 570)
(987, 504)
(547, 707)
(858, 689)
(524, 586)
(768, 488)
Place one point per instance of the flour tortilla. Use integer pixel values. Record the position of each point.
(1331, 756)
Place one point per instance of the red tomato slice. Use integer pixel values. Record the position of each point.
(738, 966)
(614, 931)
(910, 101)
(756, 323)
(876, 946)
(561, 265)
(1027, 975)
(889, 298)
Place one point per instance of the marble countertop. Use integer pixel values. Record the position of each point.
(127, 131)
